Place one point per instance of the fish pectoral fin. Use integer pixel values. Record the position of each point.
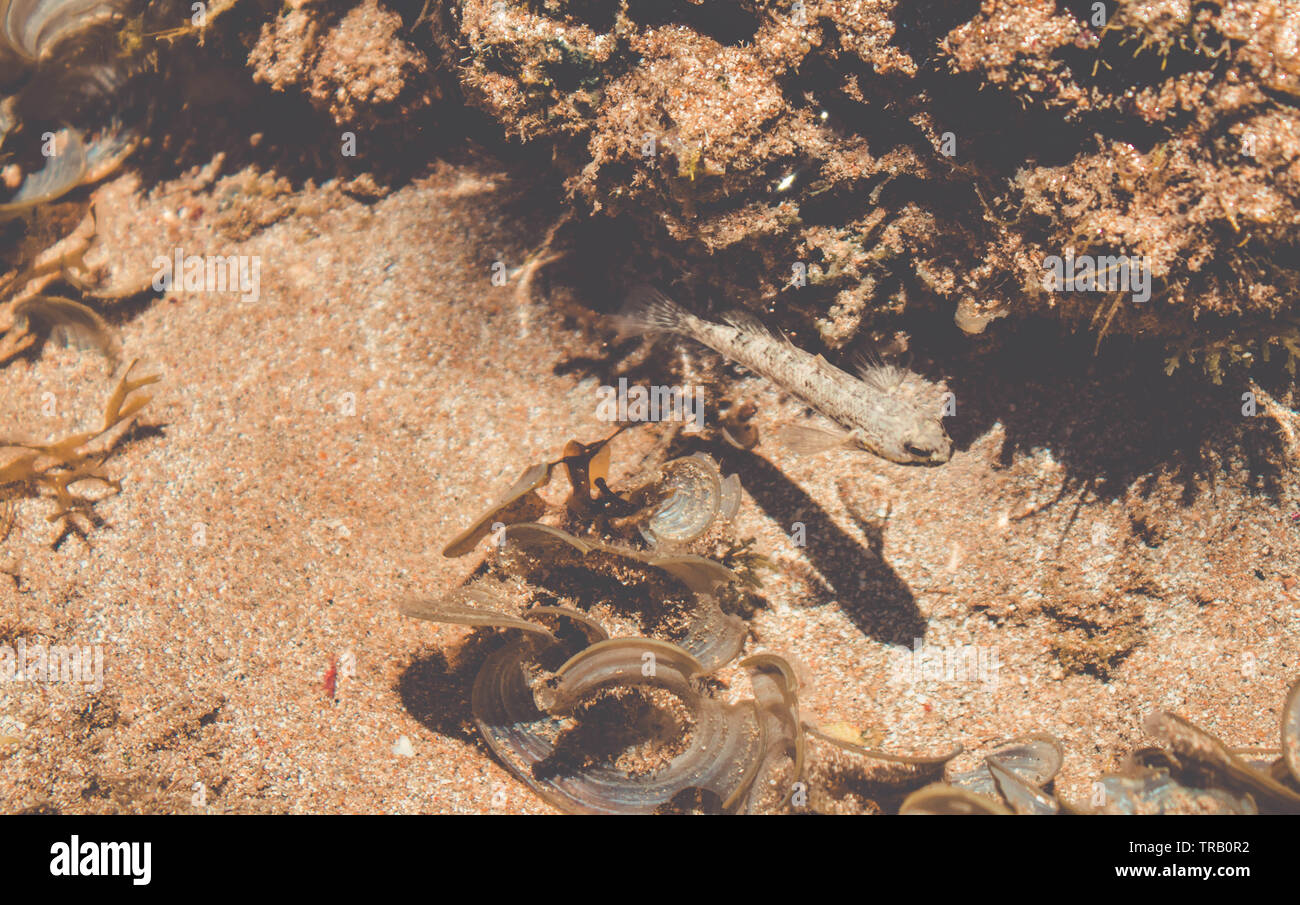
(806, 440)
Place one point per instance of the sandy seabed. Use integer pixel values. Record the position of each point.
(308, 454)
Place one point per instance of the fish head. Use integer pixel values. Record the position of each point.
(929, 444)
(897, 420)
(921, 441)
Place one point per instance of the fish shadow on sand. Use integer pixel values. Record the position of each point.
(857, 577)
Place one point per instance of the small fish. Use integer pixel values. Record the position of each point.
(887, 410)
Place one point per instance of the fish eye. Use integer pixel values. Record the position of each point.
(918, 451)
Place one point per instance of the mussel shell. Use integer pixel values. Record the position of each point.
(776, 690)
(520, 504)
(589, 628)
(942, 799)
(1156, 792)
(34, 29)
(711, 635)
(471, 606)
(1193, 744)
(730, 503)
(61, 174)
(1291, 731)
(722, 756)
(694, 496)
(1023, 797)
(1034, 759)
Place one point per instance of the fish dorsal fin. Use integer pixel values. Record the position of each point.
(749, 323)
(894, 380)
(743, 320)
(886, 378)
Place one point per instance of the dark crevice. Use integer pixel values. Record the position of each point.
(725, 21)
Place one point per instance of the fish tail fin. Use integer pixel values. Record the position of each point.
(647, 310)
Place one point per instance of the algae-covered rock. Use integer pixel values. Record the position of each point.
(926, 155)
(839, 162)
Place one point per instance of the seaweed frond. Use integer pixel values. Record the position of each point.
(1241, 348)
(55, 468)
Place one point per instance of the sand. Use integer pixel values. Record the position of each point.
(308, 454)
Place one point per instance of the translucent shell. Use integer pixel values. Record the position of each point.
(696, 496)
(1034, 760)
(1291, 731)
(1156, 792)
(30, 28)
